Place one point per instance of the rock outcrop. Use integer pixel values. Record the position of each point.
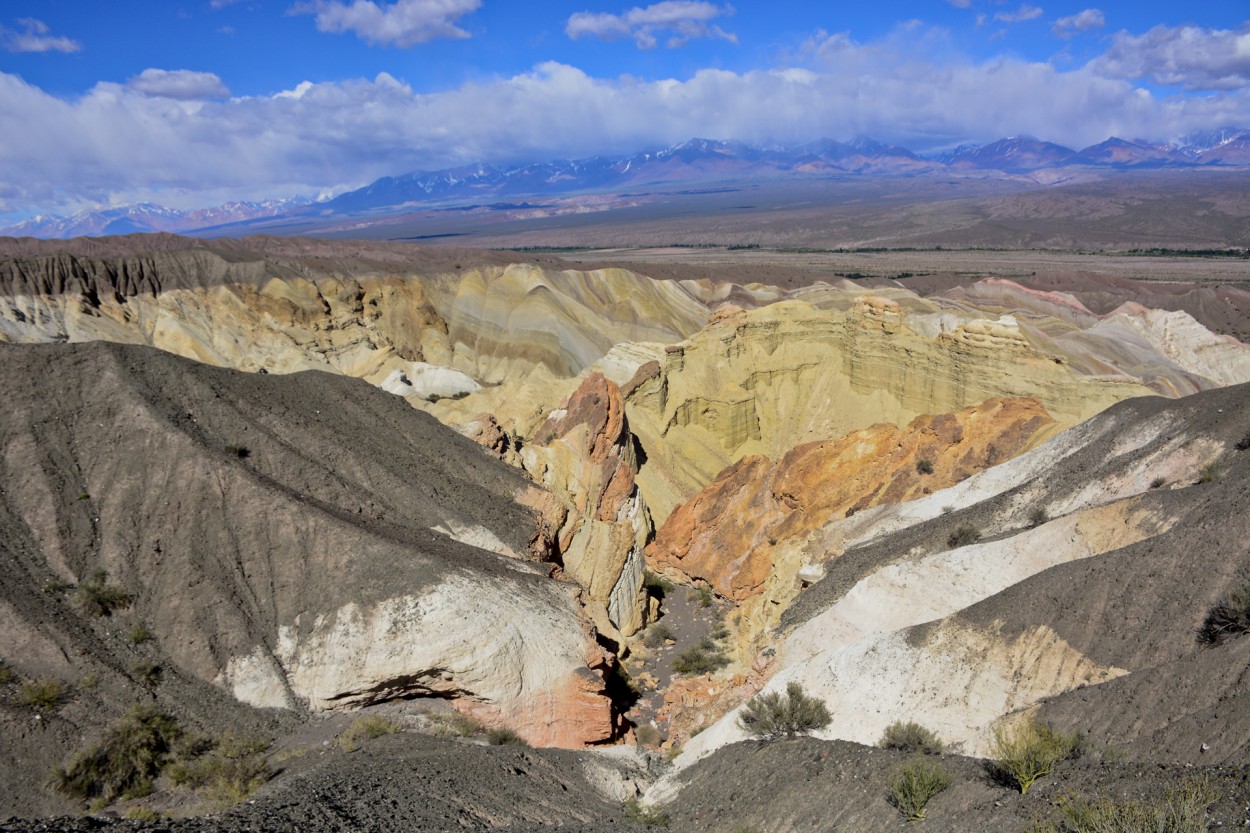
(764, 381)
(585, 455)
(749, 533)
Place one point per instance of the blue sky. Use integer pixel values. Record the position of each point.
(193, 103)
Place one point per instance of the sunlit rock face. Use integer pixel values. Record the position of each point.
(754, 533)
(761, 382)
(584, 454)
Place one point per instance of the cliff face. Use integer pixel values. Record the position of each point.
(764, 381)
(750, 533)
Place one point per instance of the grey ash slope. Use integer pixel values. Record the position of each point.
(229, 505)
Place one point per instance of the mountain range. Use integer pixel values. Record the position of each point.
(691, 164)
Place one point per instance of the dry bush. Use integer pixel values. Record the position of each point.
(365, 728)
(703, 658)
(42, 694)
(1182, 810)
(910, 737)
(1228, 617)
(125, 762)
(1029, 750)
(504, 736)
(772, 715)
(963, 535)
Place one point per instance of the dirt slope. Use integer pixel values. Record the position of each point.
(280, 539)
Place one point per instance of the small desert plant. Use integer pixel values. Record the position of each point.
(1244, 442)
(56, 585)
(644, 815)
(924, 465)
(125, 761)
(648, 735)
(363, 729)
(240, 451)
(6, 674)
(454, 724)
(658, 634)
(1038, 516)
(656, 585)
(147, 673)
(1229, 616)
(140, 813)
(225, 772)
(910, 737)
(702, 596)
(1158, 483)
(1027, 751)
(1183, 809)
(96, 597)
(42, 694)
(503, 736)
(1210, 473)
(1113, 755)
(963, 535)
(139, 634)
(703, 658)
(914, 783)
(771, 715)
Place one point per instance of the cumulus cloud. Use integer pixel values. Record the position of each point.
(117, 144)
(681, 20)
(34, 36)
(180, 84)
(1025, 12)
(1186, 56)
(403, 23)
(1066, 27)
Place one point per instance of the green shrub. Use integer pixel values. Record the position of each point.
(658, 634)
(703, 658)
(1228, 617)
(42, 694)
(6, 674)
(772, 715)
(365, 728)
(647, 816)
(56, 585)
(915, 782)
(1182, 810)
(124, 762)
(503, 736)
(963, 535)
(910, 737)
(1210, 473)
(1027, 751)
(139, 634)
(924, 465)
(226, 775)
(96, 597)
(1038, 516)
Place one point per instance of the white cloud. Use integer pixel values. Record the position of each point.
(1066, 27)
(35, 37)
(960, 4)
(116, 144)
(1025, 12)
(682, 20)
(1187, 56)
(403, 23)
(221, 4)
(180, 84)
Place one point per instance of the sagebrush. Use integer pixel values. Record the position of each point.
(125, 761)
(773, 715)
(910, 737)
(1183, 809)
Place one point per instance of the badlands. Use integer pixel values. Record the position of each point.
(287, 495)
